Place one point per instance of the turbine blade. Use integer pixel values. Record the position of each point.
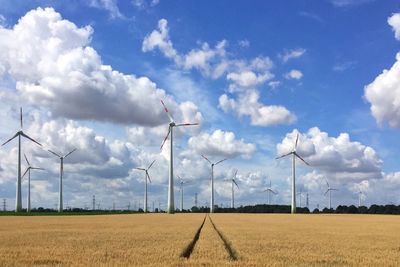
(186, 124)
(37, 168)
(326, 192)
(274, 192)
(297, 139)
(148, 176)
(10, 139)
(151, 165)
(218, 162)
(327, 183)
(233, 180)
(140, 169)
(284, 155)
(206, 159)
(54, 153)
(166, 137)
(27, 160)
(20, 116)
(24, 135)
(72, 151)
(297, 155)
(27, 169)
(166, 110)
(234, 175)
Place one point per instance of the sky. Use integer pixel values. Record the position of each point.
(90, 75)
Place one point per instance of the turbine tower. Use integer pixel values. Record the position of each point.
(329, 190)
(181, 183)
(300, 194)
(233, 183)
(28, 170)
(172, 124)
(18, 196)
(146, 176)
(212, 181)
(294, 155)
(360, 194)
(269, 190)
(60, 192)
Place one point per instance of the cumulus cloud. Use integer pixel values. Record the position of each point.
(221, 143)
(54, 68)
(248, 104)
(339, 157)
(294, 74)
(291, 54)
(394, 21)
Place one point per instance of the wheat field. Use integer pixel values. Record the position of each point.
(159, 239)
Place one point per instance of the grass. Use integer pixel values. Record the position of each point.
(159, 239)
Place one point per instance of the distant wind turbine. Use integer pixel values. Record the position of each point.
(28, 170)
(172, 124)
(360, 194)
(329, 190)
(269, 190)
(181, 183)
(300, 194)
(146, 176)
(18, 201)
(294, 155)
(233, 183)
(60, 192)
(212, 181)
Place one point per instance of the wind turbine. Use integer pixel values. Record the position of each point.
(294, 155)
(146, 176)
(329, 190)
(172, 124)
(28, 170)
(18, 202)
(360, 194)
(233, 183)
(212, 181)
(60, 193)
(181, 183)
(269, 190)
(300, 194)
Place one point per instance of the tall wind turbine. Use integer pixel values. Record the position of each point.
(146, 176)
(329, 190)
(360, 194)
(18, 201)
(212, 181)
(233, 183)
(60, 193)
(172, 124)
(294, 155)
(269, 190)
(28, 170)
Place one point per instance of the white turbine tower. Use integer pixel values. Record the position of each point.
(360, 194)
(181, 183)
(294, 155)
(28, 170)
(300, 194)
(60, 193)
(329, 190)
(269, 190)
(18, 196)
(212, 181)
(146, 176)
(172, 124)
(233, 183)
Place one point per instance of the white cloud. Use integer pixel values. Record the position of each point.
(274, 84)
(108, 5)
(295, 53)
(244, 43)
(247, 104)
(294, 74)
(143, 4)
(221, 143)
(247, 78)
(348, 3)
(394, 21)
(55, 69)
(384, 96)
(340, 67)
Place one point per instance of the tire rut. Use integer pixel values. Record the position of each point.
(233, 255)
(189, 248)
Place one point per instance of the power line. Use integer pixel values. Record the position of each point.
(4, 204)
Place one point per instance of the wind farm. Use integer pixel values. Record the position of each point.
(165, 133)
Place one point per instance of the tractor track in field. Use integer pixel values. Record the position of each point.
(187, 251)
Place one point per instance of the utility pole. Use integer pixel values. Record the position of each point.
(153, 205)
(4, 204)
(94, 202)
(129, 206)
(307, 201)
(195, 199)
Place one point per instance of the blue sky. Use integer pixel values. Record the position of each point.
(90, 74)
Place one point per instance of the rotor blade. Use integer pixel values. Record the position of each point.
(140, 169)
(27, 160)
(151, 165)
(24, 135)
(70, 153)
(54, 153)
(297, 139)
(20, 116)
(274, 192)
(233, 180)
(148, 176)
(206, 159)
(218, 162)
(10, 139)
(284, 155)
(334, 189)
(234, 175)
(27, 169)
(37, 168)
(186, 124)
(166, 137)
(166, 110)
(327, 183)
(326, 192)
(179, 178)
(297, 155)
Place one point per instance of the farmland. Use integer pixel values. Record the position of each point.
(160, 239)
